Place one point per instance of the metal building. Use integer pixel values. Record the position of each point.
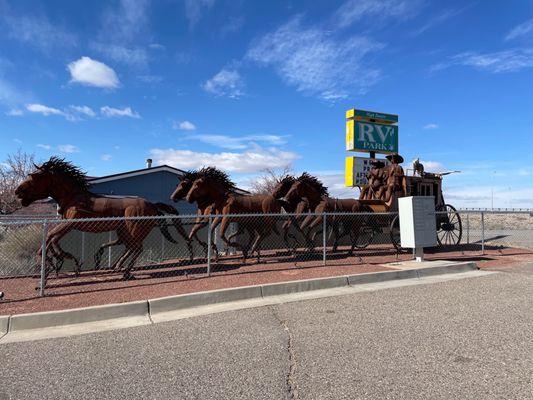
(155, 184)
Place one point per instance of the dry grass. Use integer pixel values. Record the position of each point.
(493, 221)
(18, 248)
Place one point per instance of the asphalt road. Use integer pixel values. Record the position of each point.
(470, 338)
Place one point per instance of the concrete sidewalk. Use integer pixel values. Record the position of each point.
(452, 339)
(98, 318)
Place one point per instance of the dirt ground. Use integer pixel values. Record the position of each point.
(172, 278)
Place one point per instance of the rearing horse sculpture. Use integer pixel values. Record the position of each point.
(68, 186)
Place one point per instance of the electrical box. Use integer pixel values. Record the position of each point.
(418, 226)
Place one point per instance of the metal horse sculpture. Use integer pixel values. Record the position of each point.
(67, 185)
(215, 185)
(307, 186)
(296, 206)
(205, 206)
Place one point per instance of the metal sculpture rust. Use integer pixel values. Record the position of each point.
(67, 185)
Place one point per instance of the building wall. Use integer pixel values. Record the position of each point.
(155, 187)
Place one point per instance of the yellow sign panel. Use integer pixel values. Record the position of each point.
(349, 172)
(350, 124)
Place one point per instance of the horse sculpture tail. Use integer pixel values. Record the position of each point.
(165, 209)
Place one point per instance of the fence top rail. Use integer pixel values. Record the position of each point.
(497, 210)
(188, 217)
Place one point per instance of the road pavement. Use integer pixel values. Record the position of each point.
(470, 338)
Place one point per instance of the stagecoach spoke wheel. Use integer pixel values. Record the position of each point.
(364, 236)
(449, 226)
(395, 234)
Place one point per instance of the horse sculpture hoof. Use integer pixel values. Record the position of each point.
(128, 276)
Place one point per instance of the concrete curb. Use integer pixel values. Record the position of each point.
(49, 319)
(276, 289)
(4, 324)
(148, 308)
(171, 303)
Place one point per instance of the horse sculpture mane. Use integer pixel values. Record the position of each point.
(314, 182)
(59, 166)
(216, 175)
(287, 179)
(190, 175)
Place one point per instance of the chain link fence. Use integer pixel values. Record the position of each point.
(38, 257)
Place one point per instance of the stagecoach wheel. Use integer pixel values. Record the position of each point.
(395, 233)
(449, 226)
(364, 236)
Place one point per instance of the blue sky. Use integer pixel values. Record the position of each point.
(247, 85)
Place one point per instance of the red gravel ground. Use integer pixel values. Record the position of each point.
(171, 278)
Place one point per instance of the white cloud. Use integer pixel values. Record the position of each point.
(44, 146)
(430, 126)
(183, 125)
(239, 143)
(252, 160)
(83, 110)
(150, 78)
(355, 10)
(433, 166)
(119, 112)
(156, 46)
(133, 56)
(483, 196)
(126, 22)
(523, 29)
(34, 30)
(44, 110)
(226, 83)
(194, 10)
(106, 157)
(317, 62)
(15, 112)
(498, 62)
(87, 71)
(71, 113)
(439, 19)
(68, 148)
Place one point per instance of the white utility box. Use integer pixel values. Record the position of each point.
(418, 227)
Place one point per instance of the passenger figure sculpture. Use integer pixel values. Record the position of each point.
(396, 182)
(376, 179)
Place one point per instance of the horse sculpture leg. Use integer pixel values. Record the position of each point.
(181, 231)
(52, 241)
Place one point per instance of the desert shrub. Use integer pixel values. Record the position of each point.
(18, 249)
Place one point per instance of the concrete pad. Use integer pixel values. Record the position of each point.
(78, 315)
(4, 324)
(374, 277)
(276, 289)
(451, 268)
(171, 303)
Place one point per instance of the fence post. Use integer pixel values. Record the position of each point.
(82, 258)
(109, 251)
(209, 246)
(482, 233)
(324, 239)
(467, 228)
(43, 259)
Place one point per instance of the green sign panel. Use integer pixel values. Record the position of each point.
(370, 136)
(372, 115)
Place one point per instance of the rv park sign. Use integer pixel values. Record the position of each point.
(372, 132)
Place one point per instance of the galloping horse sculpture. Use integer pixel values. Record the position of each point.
(295, 206)
(309, 187)
(68, 186)
(215, 186)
